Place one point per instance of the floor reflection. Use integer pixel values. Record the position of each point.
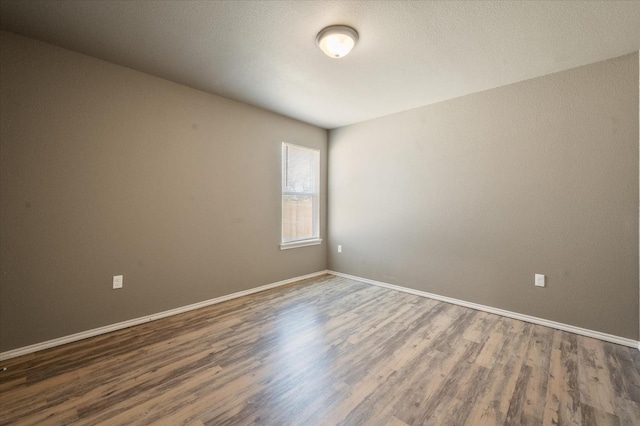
(302, 361)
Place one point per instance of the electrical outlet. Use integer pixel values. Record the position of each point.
(539, 280)
(339, 248)
(117, 281)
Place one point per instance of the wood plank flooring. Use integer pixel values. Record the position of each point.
(323, 352)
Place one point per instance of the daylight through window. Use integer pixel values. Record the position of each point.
(300, 196)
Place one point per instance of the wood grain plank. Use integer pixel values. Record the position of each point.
(563, 398)
(596, 389)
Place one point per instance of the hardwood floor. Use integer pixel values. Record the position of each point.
(322, 352)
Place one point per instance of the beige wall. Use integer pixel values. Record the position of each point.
(108, 171)
(105, 171)
(471, 197)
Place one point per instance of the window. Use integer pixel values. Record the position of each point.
(300, 196)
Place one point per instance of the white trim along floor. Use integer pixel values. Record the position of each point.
(106, 329)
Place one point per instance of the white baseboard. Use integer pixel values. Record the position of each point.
(535, 320)
(118, 326)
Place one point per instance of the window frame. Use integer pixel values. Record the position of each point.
(315, 197)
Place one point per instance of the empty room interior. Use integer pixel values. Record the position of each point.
(319, 212)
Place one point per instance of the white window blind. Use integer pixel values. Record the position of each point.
(300, 196)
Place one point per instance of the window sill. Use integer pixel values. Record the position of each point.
(304, 243)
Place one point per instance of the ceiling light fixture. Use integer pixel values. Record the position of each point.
(337, 40)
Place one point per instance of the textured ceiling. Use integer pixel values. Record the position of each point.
(410, 53)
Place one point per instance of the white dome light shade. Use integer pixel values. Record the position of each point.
(337, 41)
